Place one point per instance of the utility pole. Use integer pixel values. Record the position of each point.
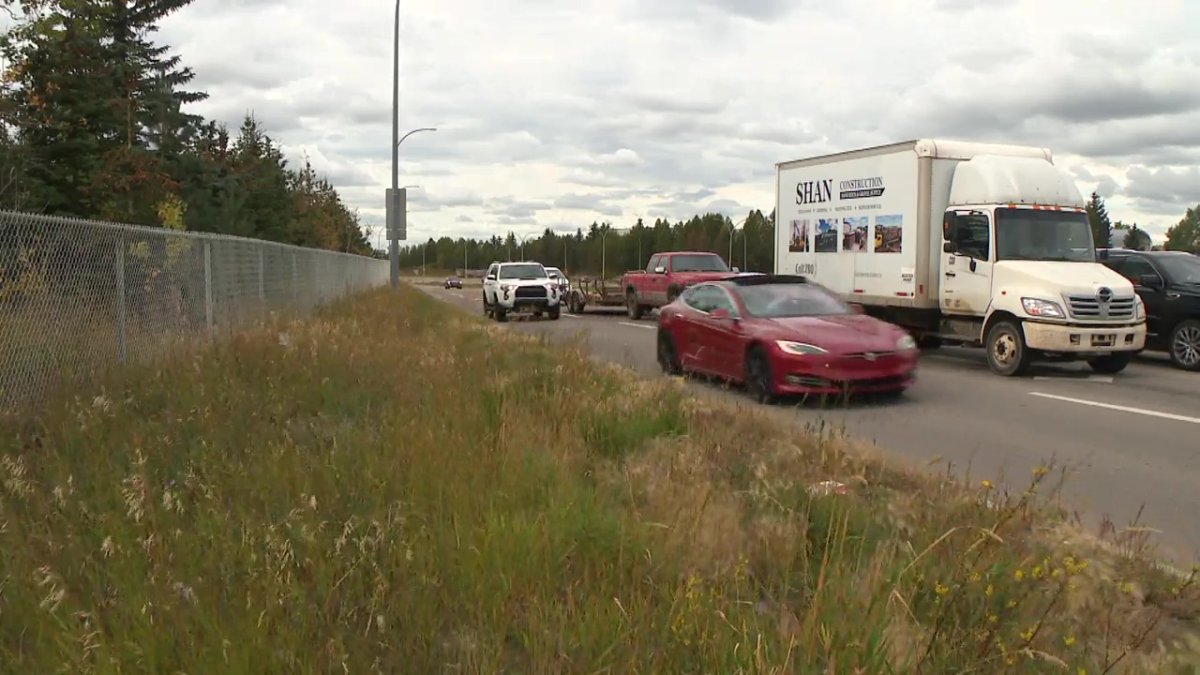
(393, 240)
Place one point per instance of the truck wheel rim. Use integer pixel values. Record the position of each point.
(1187, 346)
(1005, 348)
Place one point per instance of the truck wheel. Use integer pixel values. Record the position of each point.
(631, 305)
(500, 314)
(929, 342)
(1007, 353)
(487, 311)
(668, 358)
(554, 312)
(1185, 345)
(1111, 364)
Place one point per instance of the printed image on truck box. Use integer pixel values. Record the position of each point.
(827, 236)
(799, 240)
(889, 234)
(854, 233)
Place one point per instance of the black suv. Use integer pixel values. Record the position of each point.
(1169, 283)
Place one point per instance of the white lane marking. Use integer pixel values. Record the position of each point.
(636, 325)
(1120, 408)
(572, 316)
(1107, 379)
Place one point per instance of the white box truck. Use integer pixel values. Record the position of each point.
(961, 243)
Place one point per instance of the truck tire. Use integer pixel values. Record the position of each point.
(1007, 353)
(1111, 364)
(487, 310)
(500, 314)
(632, 308)
(554, 312)
(1185, 345)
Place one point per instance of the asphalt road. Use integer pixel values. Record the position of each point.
(1132, 440)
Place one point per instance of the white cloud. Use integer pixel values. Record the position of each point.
(554, 114)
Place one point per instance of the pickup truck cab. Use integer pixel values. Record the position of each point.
(665, 277)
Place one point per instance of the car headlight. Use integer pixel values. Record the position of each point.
(906, 343)
(1038, 307)
(506, 287)
(1139, 308)
(799, 348)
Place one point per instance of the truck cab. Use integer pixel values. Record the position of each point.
(1019, 274)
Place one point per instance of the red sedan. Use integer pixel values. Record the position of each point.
(782, 335)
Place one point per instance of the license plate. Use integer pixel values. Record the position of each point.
(1104, 340)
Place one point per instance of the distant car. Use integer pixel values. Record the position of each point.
(1168, 282)
(453, 282)
(782, 335)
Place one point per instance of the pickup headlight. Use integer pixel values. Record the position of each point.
(1038, 307)
(1139, 308)
(799, 348)
(906, 343)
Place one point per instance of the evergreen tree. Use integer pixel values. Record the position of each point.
(1098, 219)
(1185, 235)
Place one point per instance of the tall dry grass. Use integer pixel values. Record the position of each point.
(392, 487)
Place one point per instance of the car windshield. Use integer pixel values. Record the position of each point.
(1181, 269)
(698, 263)
(1025, 234)
(523, 271)
(778, 301)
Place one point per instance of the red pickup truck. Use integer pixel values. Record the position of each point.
(666, 275)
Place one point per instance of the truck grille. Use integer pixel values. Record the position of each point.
(1091, 308)
(531, 292)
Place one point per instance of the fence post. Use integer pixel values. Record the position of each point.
(208, 286)
(262, 283)
(122, 353)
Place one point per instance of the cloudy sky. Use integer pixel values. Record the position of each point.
(554, 114)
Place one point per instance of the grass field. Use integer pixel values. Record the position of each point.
(395, 487)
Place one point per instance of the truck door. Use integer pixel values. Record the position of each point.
(966, 283)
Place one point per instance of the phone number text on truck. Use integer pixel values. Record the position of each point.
(964, 243)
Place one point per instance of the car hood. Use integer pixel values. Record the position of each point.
(527, 282)
(838, 334)
(1071, 278)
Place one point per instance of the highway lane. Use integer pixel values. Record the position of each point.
(1133, 439)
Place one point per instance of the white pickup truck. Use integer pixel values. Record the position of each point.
(519, 287)
(966, 243)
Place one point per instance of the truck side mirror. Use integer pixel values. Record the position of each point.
(949, 224)
(1150, 281)
(948, 247)
(736, 270)
(660, 270)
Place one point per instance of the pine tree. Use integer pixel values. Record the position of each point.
(1098, 219)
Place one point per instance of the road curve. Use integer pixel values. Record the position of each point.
(1132, 439)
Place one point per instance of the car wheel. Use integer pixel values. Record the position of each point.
(1185, 345)
(632, 308)
(760, 382)
(1007, 353)
(1111, 364)
(555, 312)
(668, 358)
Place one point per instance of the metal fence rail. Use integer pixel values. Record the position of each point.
(77, 296)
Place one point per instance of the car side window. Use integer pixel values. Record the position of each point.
(700, 298)
(654, 260)
(1133, 269)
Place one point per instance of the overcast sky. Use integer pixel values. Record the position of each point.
(554, 113)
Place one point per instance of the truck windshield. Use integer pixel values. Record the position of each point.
(698, 263)
(1025, 234)
(779, 301)
(1182, 269)
(523, 271)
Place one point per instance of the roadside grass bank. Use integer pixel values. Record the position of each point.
(393, 486)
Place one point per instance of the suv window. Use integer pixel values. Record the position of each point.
(523, 271)
(654, 262)
(1133, 267)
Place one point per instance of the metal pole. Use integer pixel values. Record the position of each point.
(262, 281)
(393, 244)
(745, 265)
(731, 226)
(208, 289)
(122, 355)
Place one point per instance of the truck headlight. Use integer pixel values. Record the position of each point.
(1139, 308)
(799, 348)
(906, 343)
(1038, 307)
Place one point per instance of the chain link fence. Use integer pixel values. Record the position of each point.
(78, 296)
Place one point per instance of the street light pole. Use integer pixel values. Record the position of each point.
(393, 243)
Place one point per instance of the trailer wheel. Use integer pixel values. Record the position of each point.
(1007, 353)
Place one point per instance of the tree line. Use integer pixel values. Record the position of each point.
(93, 124)
(603, 248)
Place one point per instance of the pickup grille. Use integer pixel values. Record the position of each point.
(531, 292)
(1089, 308)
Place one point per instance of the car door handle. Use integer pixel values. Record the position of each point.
(951, 274)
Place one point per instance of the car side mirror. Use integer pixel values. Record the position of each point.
(1150, 281)
(490, 277)
(736, 270)
(948, 247)
(660, 270)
